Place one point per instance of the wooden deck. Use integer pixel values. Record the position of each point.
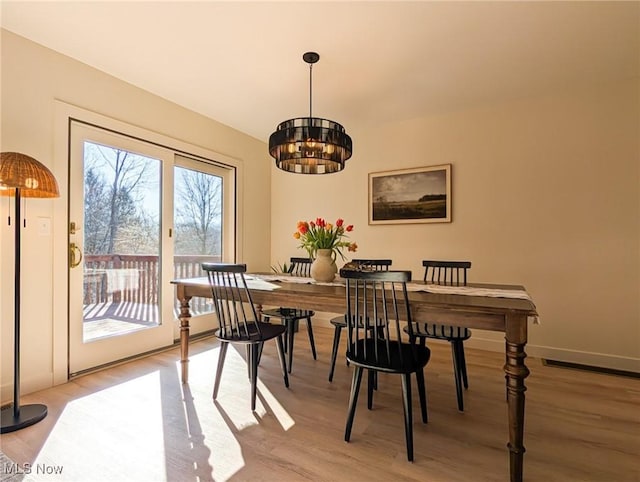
(121, 292)
(112, 318)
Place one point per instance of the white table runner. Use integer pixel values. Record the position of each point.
(469, 291)
(285, 278)
(428, 288)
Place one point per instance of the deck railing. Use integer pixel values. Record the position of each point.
(130, 278)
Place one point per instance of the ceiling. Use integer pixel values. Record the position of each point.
(240, 62)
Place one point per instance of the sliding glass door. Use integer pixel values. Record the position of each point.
(139, 215)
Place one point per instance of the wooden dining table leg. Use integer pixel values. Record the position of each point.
(185, 317)
(516, 371)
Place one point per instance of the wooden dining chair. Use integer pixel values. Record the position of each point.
(339, 322)
(239, 323)
(448, 273)
(291, 316)
(377, 306)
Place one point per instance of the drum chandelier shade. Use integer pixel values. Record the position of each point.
(310, 145)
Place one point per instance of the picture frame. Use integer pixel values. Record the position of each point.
(416, 195)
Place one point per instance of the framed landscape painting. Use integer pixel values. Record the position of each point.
(418, 195)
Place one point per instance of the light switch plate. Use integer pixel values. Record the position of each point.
(44, 226)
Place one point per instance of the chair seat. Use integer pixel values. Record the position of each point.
(441, 332)
(289, 313)
(404, 358)
(339, 321)
(268, 331)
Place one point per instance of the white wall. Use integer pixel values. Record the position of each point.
(545, 194)
(32, 78)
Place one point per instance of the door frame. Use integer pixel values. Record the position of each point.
(64, 113)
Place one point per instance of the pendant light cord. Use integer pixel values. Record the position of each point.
(310, 89)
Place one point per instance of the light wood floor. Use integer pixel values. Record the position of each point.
(137, 422)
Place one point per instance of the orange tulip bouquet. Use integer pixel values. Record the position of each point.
(319, 234)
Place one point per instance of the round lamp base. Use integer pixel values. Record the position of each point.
(28, 415)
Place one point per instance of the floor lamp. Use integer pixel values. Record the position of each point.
(22, 176)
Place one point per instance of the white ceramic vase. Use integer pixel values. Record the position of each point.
(323, 268)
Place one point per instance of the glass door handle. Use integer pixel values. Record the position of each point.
(75, 255)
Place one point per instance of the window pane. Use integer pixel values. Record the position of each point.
(197, 226)
(121, 241)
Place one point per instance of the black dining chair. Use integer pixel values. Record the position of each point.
(238, 322)
(338, 322)
(448, 273)
(291, 316)
(377, 306)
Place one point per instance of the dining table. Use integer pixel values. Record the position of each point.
(494, 307)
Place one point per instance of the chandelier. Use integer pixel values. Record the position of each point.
(310, 145)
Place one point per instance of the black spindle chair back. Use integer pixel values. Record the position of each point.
(375, 301)
(238, 322)
(232, 301)
(372, 264)
(377, 308)
(300, 267)
(446, 272)
(338, 322)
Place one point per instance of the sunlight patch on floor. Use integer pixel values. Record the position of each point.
(231, 413)
(84, 444)
(178, 431)
(216, 452)
(235, 387)
(281, 414)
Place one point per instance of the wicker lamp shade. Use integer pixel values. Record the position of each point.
(32, 177)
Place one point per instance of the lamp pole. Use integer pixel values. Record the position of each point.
(16, 307)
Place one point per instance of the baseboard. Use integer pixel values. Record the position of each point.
(588, 368)
(588, 359)
(606, 362)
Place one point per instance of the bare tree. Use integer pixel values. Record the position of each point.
(95, 213)
(198, 212)
(115, 197)
(119, 220)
